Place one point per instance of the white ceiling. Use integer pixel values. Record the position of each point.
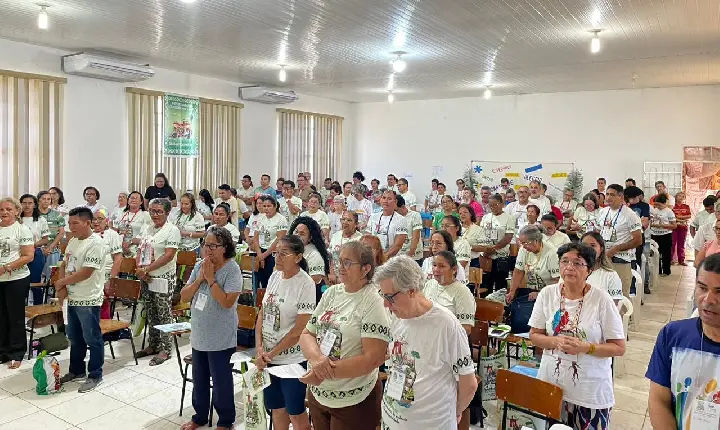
(340, 49)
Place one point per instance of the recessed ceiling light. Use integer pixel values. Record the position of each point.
(595, 42)
(188, 1)
(398, 64)
(43, 17)
(282, 76)
(391, 97)
(487, 94)
(391, 81)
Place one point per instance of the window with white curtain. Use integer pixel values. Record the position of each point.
(30, 132)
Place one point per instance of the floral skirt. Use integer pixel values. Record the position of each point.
(581, 418)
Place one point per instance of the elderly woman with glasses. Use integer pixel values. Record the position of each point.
(113, 258)
(314, 211)
(213, 290)
(92, 199)
(580, 330)
(421, 329)
(349, 233)
(536, 265)
(441, 241)
(360, 205)
(345, 342)
(445, 290)
(156, 268)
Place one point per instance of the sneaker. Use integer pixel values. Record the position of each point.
(89, 385)
(647, 291)
(70, 377)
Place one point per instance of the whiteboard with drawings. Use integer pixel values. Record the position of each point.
(521, 173)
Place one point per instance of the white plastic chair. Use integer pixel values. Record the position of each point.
(619, 364)
(690, 304)
(637, 299)
(654, 265)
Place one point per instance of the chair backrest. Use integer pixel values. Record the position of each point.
(63, 246)
(127, 265)
(475, 276)
(248, 263)
(124, 289)
(247, 315)
(529, 393)
(479, 333)
(186, 258)
(627, 304)
(487, 310)
(259, 297)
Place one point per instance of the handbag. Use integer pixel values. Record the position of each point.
(486, 264)
(504, 264)
(489, 366)
(53, 343)
(520, 311)
(254, 406)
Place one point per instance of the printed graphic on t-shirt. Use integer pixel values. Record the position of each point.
(4, 248)
(694, 379)
(329, 336)
(271, 311)
(399, 391)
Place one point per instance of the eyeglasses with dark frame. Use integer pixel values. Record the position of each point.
(213, 246)
(389, 297)
(347, 264)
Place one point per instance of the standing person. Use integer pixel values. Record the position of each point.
(634, 196)
(451, 224)
(662, 224)
(272, 227)
(679, 235)
(603, 276)
(469, 200)
(205, 204)
(704, 215)
(448, 209)
(337, 207)
(348, 233)
(16, 251)
(431, 199)
(622, 230)
(358, 178)
(116, 213)
(536, 264)
(314, 203)
(579, 329)
(472, 233)
(552, 234)
(498, 231)
(213, 290)
(279, 187)
(601, 184)
(288, 304)
(538, 198)
(375, 194)
(290, 204)
(236, 208)
(460, 183)
(711, 247)
(435, 385)
(509, 196)
(584, 218)
(360, 205)
(304, 190)
(485, 193)
(190, 223)
(161, 189)
(131, 224)
(388, 225)
(81, 281)
(345, 342)
(706, 232)
(113, 257)
(683, 369)
(221, 219)
(56, 226)
(392, 183)
(347, 193)
(315, 251)
(518, 209)
(413, 246)
(662, 190)
(405, 193)
(265, 187)
(325, 190)
(441, 241)
(253, 223)
(92, 199)
(445, 290)
(435, 205)
(41, 233)
(504, 186)
(156, 268)
(246, 193)
(58, 201)
(630, 182)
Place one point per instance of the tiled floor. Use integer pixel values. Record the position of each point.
(144, 397)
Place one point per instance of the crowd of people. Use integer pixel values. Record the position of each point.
(358, 277)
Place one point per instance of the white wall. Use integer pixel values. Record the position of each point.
(95, 143)
(608, 133)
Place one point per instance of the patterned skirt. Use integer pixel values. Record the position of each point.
(582, 418)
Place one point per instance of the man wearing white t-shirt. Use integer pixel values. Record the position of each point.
(518, 208)
(236, 206)
(538, 199)
(410, 199)
(413, 246)
(81, 281)
(392, 182)
(246, 193)
(431, 372)
(622, 230)
(388, 225)
(290, 204)
(706, 232)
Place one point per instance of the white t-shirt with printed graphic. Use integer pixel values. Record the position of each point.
(90, 252)
(130, 225)
(588, 221)
(386, 228)
(12, 238)
(543, 203)
(617, 226)
(113, 242)
(347, 318)
(664, 216)
(337, 240)
(335, 222)
(474, 236)
(363, 209)
(38, 228)
(586, 380)
(186, 223)
(455, 297)
(540, 269)
(414, 223)
(320, 217)
(607, 280)
(253, 223)
(270, 227)
(284, 300)
(428, 272)
(557, 240)
(494, 228)
(410, 200)
(517, 211)
(432, 352)
(234, 232)
(285, 209)
(154, 243)
(462, 250)
(315, 262)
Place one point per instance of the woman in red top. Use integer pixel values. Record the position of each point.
(683, 214)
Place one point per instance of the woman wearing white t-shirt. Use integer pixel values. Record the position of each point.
(579, 328)
(113, 258)
(286, 309)
(205, 204)
(471, 232)
(116, 213)
(498, 231)
(190, 223)
(441, 241)
(272, 227)
(461, 246)
(16, 251)
(603, 275)
(131, 224)
(555, 237)
(426, 378)
(315, 254)
(313, 211)
(92, 199)
(345, 342)
(349, 233)
(338, 207)
(361, 205)
(41, 233)
(662, 224)
(156, 268)
(445, 290)
(536, 265)
(585, 217)
(221, 218)
(253, 223)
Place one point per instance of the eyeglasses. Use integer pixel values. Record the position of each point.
(574, 264)
(277, 254)
(347, 264)
(389, 297)
(212, 246)
(157, 212)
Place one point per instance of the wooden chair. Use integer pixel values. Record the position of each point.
(32, 313)
(529, 395)
(259, 297)
(478, 339)
(127, 290)
(475, 277)
(128, 265)
(488, 310)
(248, 266)
(185, 263)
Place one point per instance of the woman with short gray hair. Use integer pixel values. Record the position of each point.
(361, 205)
(536, 265)
(156, 266)
(429, 386)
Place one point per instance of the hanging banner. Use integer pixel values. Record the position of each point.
(181, 127)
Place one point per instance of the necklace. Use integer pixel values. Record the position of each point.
(562, 321)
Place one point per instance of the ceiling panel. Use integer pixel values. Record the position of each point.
(341, 48)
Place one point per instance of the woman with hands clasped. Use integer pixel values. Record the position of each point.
(345, 342)
(580, 329)
(287, 306)
(213, 290)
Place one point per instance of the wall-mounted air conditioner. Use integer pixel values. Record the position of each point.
(267, 96)
(94, 66)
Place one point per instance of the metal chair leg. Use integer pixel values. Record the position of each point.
(145, 330)
(32, 333)
(182, 395)
(132, 344)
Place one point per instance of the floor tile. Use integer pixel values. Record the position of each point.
(44, 402)
(37, 420)
(12, 408)
(134, 388)
(18, 383)
(631, 401)
(131, 418)
(164, 403)
(86, 407)
(622, 420)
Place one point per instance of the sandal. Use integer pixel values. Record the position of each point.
(145, 353)
(158, 360)
(14, 364)
(190, 426)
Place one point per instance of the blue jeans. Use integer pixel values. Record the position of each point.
(83, 329)
(215, 365)
(36, 270)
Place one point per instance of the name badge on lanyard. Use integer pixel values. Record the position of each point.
(705, 416)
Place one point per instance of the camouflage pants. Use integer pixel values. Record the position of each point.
(157, 306)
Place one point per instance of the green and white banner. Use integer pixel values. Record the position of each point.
(181, 128)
